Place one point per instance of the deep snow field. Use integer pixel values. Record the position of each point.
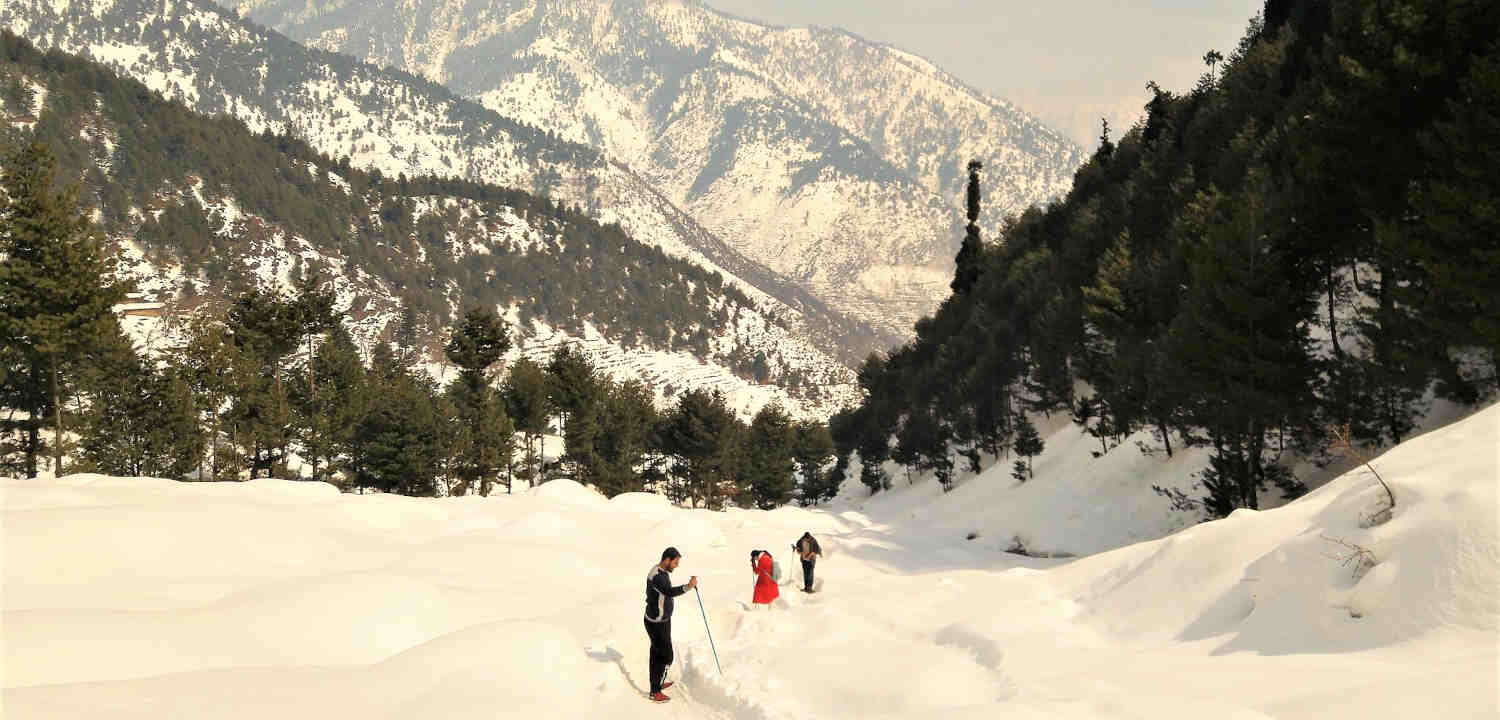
(137, 598)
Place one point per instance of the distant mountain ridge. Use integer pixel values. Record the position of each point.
(398, 124)
(833, 160)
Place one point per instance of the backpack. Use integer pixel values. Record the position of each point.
(775, 566)
(811, 541)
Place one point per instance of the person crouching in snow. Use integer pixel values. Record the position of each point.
(659, 594)
(765, 585)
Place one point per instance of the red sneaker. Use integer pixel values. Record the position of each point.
(658, 697)
(666, 685)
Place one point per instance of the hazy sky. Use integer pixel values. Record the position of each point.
(1068, 62)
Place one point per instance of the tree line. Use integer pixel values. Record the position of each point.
(278, 375)
(1305, 241)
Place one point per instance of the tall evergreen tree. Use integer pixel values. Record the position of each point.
(266, 326)
(477, 343)
(216, 372)
(572, 383)
(1458, 246)
(970, 258)
(577, 393)
(812, 449)
(703, 435)
(1106, 146)
(770, 471)
(1244, 348)
(629, 420)
(525, 392)
(56, 294)
(401, 440)
(330, 402)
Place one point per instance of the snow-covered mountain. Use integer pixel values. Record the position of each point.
(399, 124)
(833, 160)
(200, 206)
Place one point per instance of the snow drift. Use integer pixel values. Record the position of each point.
(138, 598)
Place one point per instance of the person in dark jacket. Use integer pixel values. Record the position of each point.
(807, 548)
(659, 594)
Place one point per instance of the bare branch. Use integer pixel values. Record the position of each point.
(1361, 558)
(1343, 443)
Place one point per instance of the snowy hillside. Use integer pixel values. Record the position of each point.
(834, 160)
(289, 600)
(195, 221)
(398, 124)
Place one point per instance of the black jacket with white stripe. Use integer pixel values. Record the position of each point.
(659, 594)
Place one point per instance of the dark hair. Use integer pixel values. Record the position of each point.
(670, 553)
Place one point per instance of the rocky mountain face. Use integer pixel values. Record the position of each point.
(832, 160)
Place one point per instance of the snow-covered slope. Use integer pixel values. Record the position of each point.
(133, 598)
(398, 124)
(834, 160)
(200, 207)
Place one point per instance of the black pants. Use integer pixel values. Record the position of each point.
(661, 651)
(807, 574)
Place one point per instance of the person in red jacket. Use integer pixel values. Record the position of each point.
(765, 585)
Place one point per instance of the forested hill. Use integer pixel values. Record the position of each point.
(202, 206)
(1306, 240)
(217, 64)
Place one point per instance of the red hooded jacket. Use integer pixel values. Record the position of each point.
(765, 587)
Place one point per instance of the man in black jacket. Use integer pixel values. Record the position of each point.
(659, 594)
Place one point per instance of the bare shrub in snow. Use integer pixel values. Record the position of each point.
(1343, 445)
(1352, 555)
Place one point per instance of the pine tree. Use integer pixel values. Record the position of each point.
(812, 450)
(629, 420)
(1243, 346)
(1458, 247)
(1106, 147)
(215, 371)
(479, 437)
(1028, 445)
(525, 392)
(770, 472)
(907, 450)
(571, 382)
(970, 258)
(401, 440)
(141, 421)
(703, 435)
(477, 343)
(56, 295)
(577, 393)
(266, 326)
(330, 402)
